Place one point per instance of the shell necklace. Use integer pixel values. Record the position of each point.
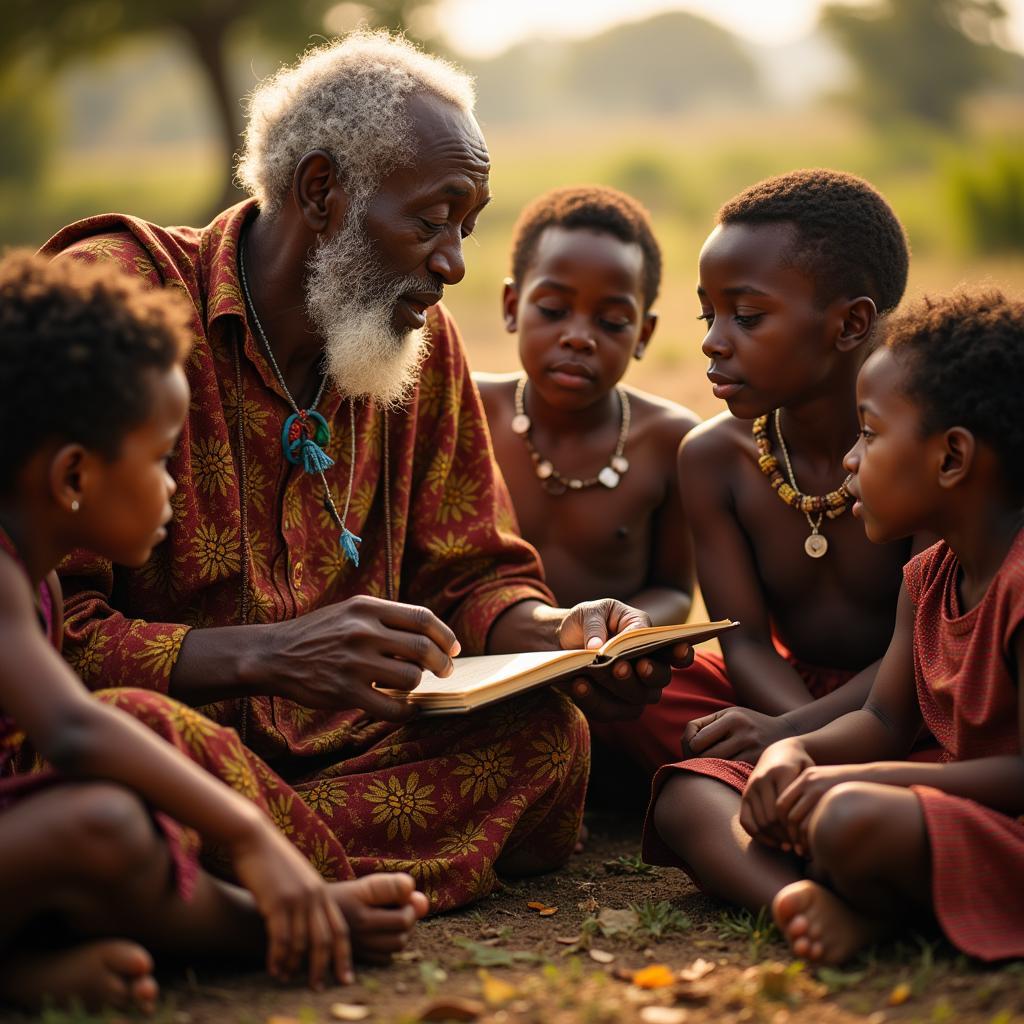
(550, 479)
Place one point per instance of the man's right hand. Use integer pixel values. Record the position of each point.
(331, 657)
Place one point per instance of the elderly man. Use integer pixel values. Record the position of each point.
(339, 519)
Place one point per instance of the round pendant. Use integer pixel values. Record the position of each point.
(553, 486)
(816, 545)
(608, 477)
(521, 424)
(620, 464)
(544, 469)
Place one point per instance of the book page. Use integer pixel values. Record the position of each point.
(662, 636)
(481, 673)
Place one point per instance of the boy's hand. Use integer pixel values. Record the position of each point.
(734, 734)
(302, 920)
(779, 766)
(628, 687)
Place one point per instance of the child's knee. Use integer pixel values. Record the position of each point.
(676, 811)
(111, 831)
(844, 827)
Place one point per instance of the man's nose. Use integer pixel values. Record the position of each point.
(447, 262)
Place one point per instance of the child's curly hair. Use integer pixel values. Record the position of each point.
(963, 356)
(594, 207)
(848, 241)
(76, 342)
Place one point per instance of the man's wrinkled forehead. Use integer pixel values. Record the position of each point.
(447, 136)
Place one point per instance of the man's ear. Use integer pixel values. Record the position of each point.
(318, 193)
(646, 330)
(958, 450)
(71, 476)
(859, 319)
(510, 306)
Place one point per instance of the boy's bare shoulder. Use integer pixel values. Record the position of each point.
(665, 419)
(497, 392)
(495, 381)
(721, 441)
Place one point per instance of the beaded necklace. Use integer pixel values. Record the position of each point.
(550, 479)
(305, 432)
(814, 507)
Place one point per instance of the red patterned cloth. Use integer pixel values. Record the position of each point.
(967, 685)
(654, 738)
(441, 800)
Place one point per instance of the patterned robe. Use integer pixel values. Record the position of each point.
(442, 800)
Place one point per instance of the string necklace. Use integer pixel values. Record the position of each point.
(550, 479)
(815, 508)
(305, 433)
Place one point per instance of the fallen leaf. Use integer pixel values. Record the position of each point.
(697, 970)
(899, 995)
(495, 991)
(534, 905)
(589, 905)
(655, 976)
(601, 957)
(451, 1008)
(277, 1019)
(568, 940)
(663, 1015)
(548, 911)
(349, 1011)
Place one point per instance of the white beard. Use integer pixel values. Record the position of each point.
(351, 300)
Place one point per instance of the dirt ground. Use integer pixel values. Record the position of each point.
(607, 940)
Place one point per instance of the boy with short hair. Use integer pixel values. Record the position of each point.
(590, 463)
(792, 283)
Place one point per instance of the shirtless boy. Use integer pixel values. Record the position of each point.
(792, 282)
(590, 463)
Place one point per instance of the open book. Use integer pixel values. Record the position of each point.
(483, 680)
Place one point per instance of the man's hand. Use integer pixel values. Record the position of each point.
(735, 734)
(624, 690)
(778, 766)
(331, 657)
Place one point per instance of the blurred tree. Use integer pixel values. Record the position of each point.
(60, 30)
(920, 57)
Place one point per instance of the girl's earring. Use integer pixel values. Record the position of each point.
(75, 505)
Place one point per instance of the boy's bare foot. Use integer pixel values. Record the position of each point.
(380, 910)
(819, 926)
(107, 973)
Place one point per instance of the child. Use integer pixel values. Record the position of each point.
(588, 461)
(92, 868)
(792, 281)
(941, 449)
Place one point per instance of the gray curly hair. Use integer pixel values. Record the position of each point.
(347, 97)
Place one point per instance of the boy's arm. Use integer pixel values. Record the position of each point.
(667, 595)
(761, 678)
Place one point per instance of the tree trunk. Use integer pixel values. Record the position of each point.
(207, 38)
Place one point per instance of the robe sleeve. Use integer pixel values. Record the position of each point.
(465, 558)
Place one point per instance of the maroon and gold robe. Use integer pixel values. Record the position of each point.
(441, 799)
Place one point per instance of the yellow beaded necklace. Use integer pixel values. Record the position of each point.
(822, 506)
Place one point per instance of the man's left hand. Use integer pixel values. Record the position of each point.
(625, 689)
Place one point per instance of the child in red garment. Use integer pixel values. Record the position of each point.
(95, 876)
(941, 449)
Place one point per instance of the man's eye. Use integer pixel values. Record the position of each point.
(432, 226)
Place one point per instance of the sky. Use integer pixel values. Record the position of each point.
(483, 28)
